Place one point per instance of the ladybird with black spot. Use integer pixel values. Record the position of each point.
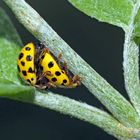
(58, 77)
(26, 65)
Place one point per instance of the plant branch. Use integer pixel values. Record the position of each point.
(81, 111)
(131, 62)
(84, 112)
(115, 103)
(67, 106)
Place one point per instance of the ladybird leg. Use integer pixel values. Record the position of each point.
(60, 63)
(40, 86)
(46, 50)
(65, 67)
(76, 79)
(49, 85)
(60, 56)
(47, 73)
(59, 59)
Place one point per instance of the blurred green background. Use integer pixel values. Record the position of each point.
(100, 44)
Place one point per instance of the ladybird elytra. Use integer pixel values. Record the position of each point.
(26, 65)
(58, 76)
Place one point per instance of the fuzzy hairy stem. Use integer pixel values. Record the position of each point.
(81, 111)
(87, 113)
(131, 62)
(70, 107)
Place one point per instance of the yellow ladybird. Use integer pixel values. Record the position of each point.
(55, 74)
(26, 62)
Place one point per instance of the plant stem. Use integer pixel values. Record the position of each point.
(111, 98)
(83, 112)
(67, 106)
(131, 62)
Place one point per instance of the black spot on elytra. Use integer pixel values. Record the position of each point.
(22, 63)
(64, 81)
(63, 71)
(24, 72)
(20, 56)
(57, 73)
(30, 70)
(54, 79)
(28, 81)
(27, 48)
(32, 79)
(18, 68)
(50, 64)
(29, 58)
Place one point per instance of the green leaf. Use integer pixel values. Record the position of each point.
(116, 12)
(19, 92)
(8, 65)
(10, 83)
(136, 32)
(7, 30)
(9, 49)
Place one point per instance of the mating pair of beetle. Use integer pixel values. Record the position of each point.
(39, 68)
